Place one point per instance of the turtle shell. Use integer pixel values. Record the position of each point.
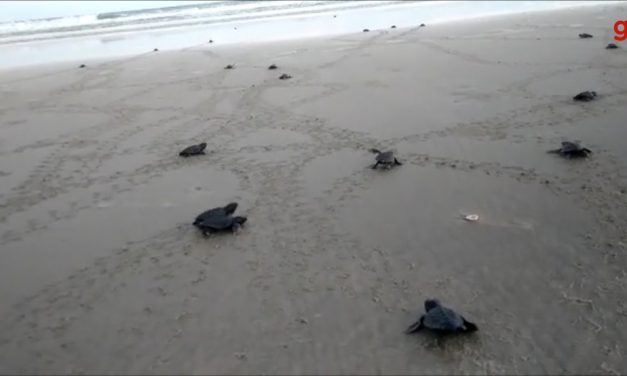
(385, 157)
(585, 96)
(217, 218)
(570, 147)
(194, 149)
(443, 319)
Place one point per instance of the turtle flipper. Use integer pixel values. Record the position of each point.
(413, 328)
(376, 151)
(396, 162)
(586, 150)
(469, 326)
(555, 151)
(374, 167)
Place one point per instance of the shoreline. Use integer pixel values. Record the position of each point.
(126, 44)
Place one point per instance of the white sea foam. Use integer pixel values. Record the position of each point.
(41, 29)
(135, 32)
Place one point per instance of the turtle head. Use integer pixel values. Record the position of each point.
(203, 145)
(230, 208)
(431, 304)
(238, 222)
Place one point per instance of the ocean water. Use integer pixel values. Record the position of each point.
(171, 17)
(85, 37)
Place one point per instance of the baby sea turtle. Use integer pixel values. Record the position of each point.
(272, 67)
(611, 46)
(393, 27)
(585, 96)
(386, 159)
(571, 149)
(230, 66)
(194, 150)
(156, 49)
(585, 35)
(82, 66)
(285, 76)
(219, 219)
(422, 25)
(210, 40)
(441, 319)
(366, 30)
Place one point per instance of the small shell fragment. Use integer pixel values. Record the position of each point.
(472, 217)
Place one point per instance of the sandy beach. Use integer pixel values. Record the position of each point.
(101, 271)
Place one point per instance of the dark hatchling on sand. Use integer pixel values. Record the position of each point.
(386, 159)
(585, 35)
(194, 150)
(571, 149)
(219, 219)
(441, 319)
(611, 46)
(585, 96)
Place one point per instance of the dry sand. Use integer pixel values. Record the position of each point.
(102, 272)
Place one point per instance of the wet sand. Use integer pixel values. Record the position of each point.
(102, 272)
